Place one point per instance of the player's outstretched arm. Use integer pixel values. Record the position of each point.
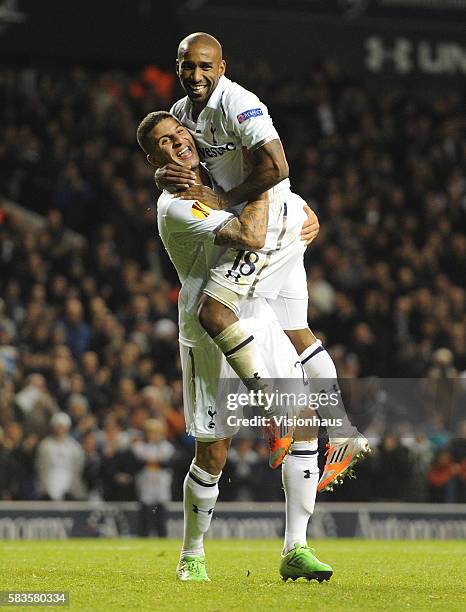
(249, 229)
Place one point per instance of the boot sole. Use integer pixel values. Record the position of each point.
(319, 576)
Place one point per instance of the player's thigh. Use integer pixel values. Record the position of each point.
(261, 274)
(248, 273)
(291, 313)
(277, 351)
(207, 383)
(291, 304)
(283, 272)
(284, 366)
(293, 284)
(234, 275)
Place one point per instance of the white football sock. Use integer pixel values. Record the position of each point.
(300, 475)
(200, 492)
(242, 353)
(318, 364)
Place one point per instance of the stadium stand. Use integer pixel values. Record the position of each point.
(88, 326)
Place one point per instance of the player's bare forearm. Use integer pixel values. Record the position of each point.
(249, 229)
(269, 168)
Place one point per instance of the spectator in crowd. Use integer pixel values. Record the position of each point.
(393, 469)
(9, 468)
(8, 351)
(36, 405)
(457, 445)
(77, 332)
(420, 457)
(461, 482)
(442, 478)
(244, 460)
(23, 450)
(266, 484)
(92, 466)
(439, 435)
(154, 481)
(119, 464)
(60, 462)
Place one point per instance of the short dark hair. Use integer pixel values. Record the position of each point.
(147, 125)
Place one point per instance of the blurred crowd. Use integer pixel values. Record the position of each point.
(90, 390)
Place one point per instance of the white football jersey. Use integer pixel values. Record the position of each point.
(233, 121)
(188, 230)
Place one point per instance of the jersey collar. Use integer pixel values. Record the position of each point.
(214, 100)
(213, 184)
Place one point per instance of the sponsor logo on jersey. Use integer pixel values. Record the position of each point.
(253, 112)
(206, 152)
(200, 211)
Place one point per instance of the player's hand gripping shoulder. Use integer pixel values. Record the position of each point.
(310, 227)
(173, 177)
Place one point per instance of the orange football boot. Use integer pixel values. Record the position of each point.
(342, 455)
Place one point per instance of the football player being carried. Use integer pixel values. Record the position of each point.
(196, 238)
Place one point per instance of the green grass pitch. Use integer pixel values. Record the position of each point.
(135, 574)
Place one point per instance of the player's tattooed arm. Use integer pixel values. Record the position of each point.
(247, 230)
(269, 167)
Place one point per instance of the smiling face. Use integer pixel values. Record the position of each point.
(199, 67)
(173, 143)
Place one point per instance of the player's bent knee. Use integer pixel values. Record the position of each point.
(214, 316)
(300, 338)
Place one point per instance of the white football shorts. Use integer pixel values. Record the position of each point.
(208, 379)
(276, 272)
